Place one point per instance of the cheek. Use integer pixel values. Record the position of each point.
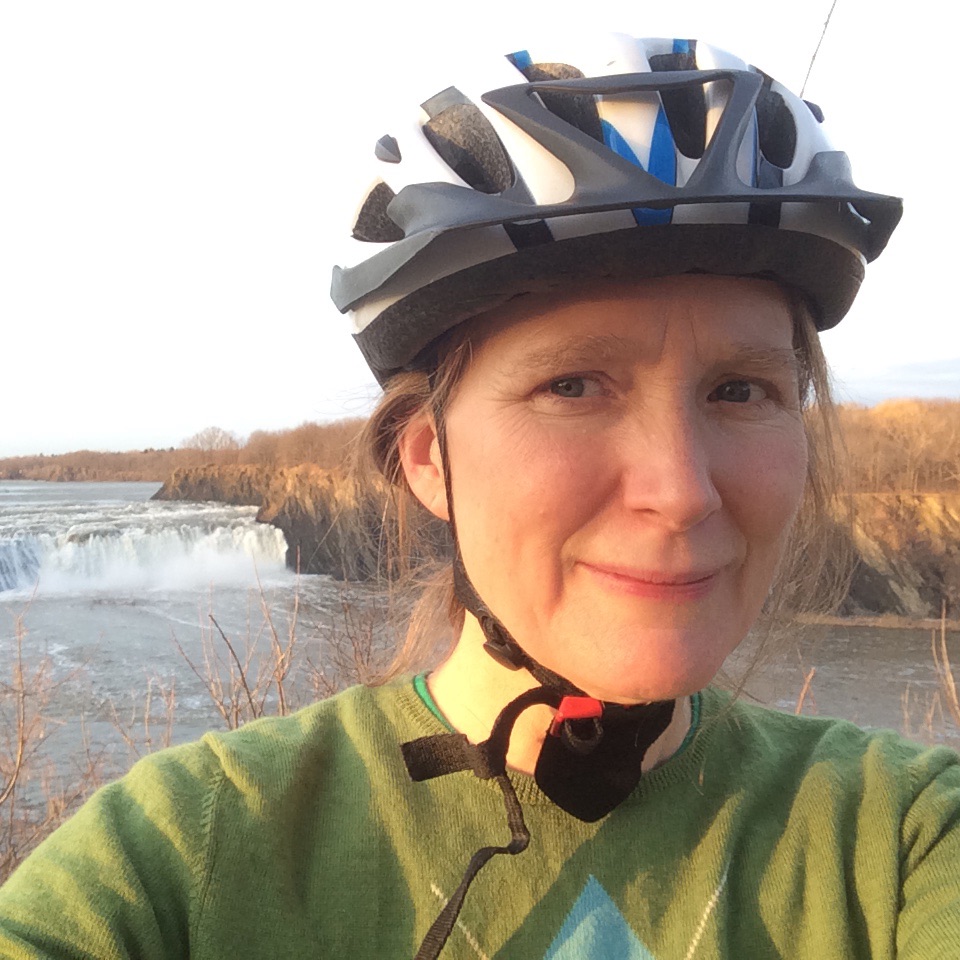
(769, 483)
(560, 475)
(521, 493)
(534, 465)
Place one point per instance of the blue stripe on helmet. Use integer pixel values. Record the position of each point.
(613, 139)
(663, 151)
(663, 165)
(521, 60)
(681, 46)
(663, 162)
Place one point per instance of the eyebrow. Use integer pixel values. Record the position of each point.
(763, 357)
(572, 353)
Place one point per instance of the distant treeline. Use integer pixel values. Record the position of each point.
(325, 444)
(908, 446)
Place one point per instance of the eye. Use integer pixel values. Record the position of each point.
(573, 388)
(738, 391)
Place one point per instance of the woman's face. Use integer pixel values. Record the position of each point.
(625, 466)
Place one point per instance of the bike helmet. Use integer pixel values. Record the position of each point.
(626, 157)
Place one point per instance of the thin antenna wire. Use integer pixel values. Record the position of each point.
(815, 52)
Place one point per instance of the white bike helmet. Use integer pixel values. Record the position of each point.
(628, 158)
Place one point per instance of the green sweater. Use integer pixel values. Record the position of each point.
(766, 836)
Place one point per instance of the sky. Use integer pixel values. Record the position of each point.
(175, 178)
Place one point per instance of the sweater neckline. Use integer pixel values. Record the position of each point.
(419, 707)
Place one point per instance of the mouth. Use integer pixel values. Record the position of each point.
(655, 584)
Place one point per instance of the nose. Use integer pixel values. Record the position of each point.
(669, 469)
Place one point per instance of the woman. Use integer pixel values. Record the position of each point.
(599, 380)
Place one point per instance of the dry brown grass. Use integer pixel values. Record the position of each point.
(139, 730)
(925, 718)
(34, 796)
(806, 691)
(271, 670)
(949, 699)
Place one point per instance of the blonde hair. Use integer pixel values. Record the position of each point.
(813, 574)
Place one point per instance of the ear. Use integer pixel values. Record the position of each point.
(422, 464)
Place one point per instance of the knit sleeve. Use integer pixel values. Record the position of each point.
(929, 922)
(124, 877)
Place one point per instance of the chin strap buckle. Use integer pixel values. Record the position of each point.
(499, 646)
(575, 708)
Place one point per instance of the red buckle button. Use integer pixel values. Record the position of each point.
(575, 708)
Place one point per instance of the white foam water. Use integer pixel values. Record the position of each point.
(96, 537)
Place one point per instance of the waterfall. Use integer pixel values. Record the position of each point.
(140, 546)
(19, 562)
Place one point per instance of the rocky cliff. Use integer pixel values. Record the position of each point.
(908, 550)
(907, 545)
(244, 486)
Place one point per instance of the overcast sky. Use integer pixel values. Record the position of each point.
(174, 177)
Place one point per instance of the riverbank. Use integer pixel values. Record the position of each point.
(886, 621)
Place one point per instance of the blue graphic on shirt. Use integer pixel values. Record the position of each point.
(596, 930)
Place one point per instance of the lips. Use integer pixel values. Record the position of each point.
(655, 584)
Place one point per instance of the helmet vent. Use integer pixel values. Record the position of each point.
(466, 141)
(387, 149)
(373, 223)
(776, 128)
(686, 108)
(579, 110)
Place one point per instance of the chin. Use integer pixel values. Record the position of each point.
(664, 671)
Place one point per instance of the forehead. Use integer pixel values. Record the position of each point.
(642, 319)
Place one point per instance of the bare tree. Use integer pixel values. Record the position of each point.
(212, 438)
